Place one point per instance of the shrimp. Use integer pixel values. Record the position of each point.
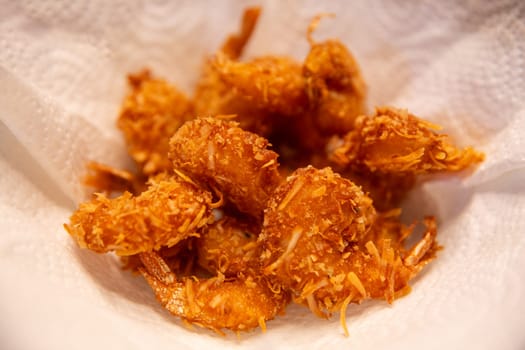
(213, 96)
(394, 141)
(169, 211)
(315, 242)
(334, 84)
(150, 114)
(229, 246)
(219, 154)
(274, 84)
(216, 303)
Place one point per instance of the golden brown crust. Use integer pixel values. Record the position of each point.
(169, 211)
(213, 96)
(229, 246)
(311, 219)
(336, 89)
(216, 303)
(394, 141)
(274, 84)
(219, 154)
(313, 239)
(150, 114)
(323, 239)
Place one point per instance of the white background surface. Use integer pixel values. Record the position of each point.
(62, 69)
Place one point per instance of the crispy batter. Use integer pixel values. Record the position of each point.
(274, 84)
(215, 303)
(229, 246)
(394, 141)
(312, 241)
(268, 97)
(169, 211)
(219, 154)
(213, 96)
(150, 114)
(336, 89)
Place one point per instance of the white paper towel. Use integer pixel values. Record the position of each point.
(62, 69)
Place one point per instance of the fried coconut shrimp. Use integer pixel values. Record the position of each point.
(216, 303)
(268, 96)
(274, 84)
(336, 89)
(229, 246)
(221, 155)
(169, 211)
(213, 96)
(150, 114)
(313, 240)
(323, 235)
(394, 141)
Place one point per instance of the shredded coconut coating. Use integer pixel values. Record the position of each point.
(214, 97)
(274, 84)
(221, 155)
(394, 141)
(150, 114)
(229, 246)
(217, 303)
(323, 238)
(336, 89)
(169, 211)
(313, 240)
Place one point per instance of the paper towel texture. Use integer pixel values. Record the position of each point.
(62, 78)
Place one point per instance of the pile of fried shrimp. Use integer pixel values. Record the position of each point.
(272, 184)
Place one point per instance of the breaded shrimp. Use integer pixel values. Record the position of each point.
(313, 240)
(273, 84)
(216, 303)
(169, 211)
(219, 154)
(150, 114)
(268, 96)
(229, 246)
(334, 83)
(394, 141)
(213, 96)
